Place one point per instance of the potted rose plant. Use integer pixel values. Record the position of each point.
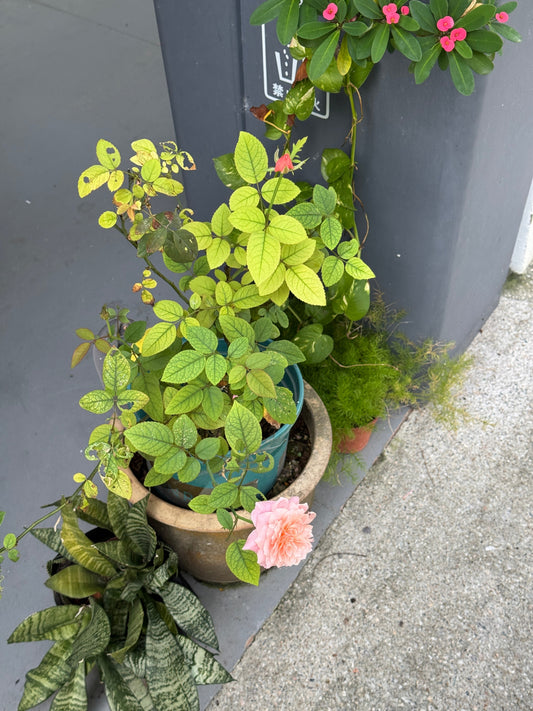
(194, 391)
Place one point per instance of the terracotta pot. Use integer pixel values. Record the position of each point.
(357, 439)
(199, 539)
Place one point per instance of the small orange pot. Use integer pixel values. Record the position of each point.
(357, 439)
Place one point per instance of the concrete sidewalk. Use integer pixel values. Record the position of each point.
(419, 595)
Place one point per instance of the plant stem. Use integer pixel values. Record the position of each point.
(165, 279)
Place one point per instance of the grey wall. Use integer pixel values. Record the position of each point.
(443, 177)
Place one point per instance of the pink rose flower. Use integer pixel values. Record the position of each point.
(393, 18)
(284, 164)
(404, 10)
(458, 35)
(502, 16)
(445, 23)
(283, 533)
(390, 8)
(447, 44)
(330, 12)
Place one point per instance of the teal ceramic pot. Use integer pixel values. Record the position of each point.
(175, 492)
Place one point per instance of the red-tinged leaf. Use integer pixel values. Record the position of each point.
(102, 346)
(79, 354)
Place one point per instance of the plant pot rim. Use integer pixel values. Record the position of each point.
(186, 519)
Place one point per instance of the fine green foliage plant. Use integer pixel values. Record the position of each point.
(374, 369)
(124, 613)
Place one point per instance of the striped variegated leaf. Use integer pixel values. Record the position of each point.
(75, 582)
(119, 695)
(95, 513)
(169, 678)
(141, 535)
(204, 667)
(73, 695)
(189, 613)
(81, 548)
(135, 624)
(117, 508)
(138, 687)
(164, 572)
(52, 672)
(52, 538)
(55, 623)
(94, 638)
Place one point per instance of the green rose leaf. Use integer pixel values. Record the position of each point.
(215, 368)
(263, 253)
(190, 471)
(207, 448)
(307, 214)
(288, 350)
(202, 339)
(242, 430)
(282, 408)
(260, 383)
(243, 197)
(224, 496)
(251, 160)
(279, 191)
(168, 310)
(220, 223)
(107, 154)
(184, 367)
(171, 461)
(286, 229)
(187, 399)
(324, 199)
(234, 327)
(248, 219)
(151, 170)
(243, 564)
(217, 253)
(116, 371)
(151, 438)
(158, 338)
(238, 347)
(185, 433)
(357, 269)
(97, 402)
(107, 219)
(331, 232)
(213, 403)
(202, 504)
(225, 519)
(92, 179)
(332, 270)
(305, 285)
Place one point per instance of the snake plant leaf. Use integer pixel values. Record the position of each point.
(189, 613)
(137, 687)
(73, 695)
(204, 667)
(81, 548)
(135, 625)
(135, 661)
(53, 671)
(57, 623)
(95, 513)
(169, 679)
(117, 509)
(119, 695)
(76, 581)
(94, 638)
(52, 538)
(165, 571)
(138, 531)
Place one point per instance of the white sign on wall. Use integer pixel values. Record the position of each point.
(279, 71)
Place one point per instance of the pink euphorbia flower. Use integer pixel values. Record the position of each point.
(447, 43)
(330, 12)
(501, 16)
(390, 8)
(458, 34)
(283, 533)
(404, 10)
(284, 163)
(393, 18)
(445, 23)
